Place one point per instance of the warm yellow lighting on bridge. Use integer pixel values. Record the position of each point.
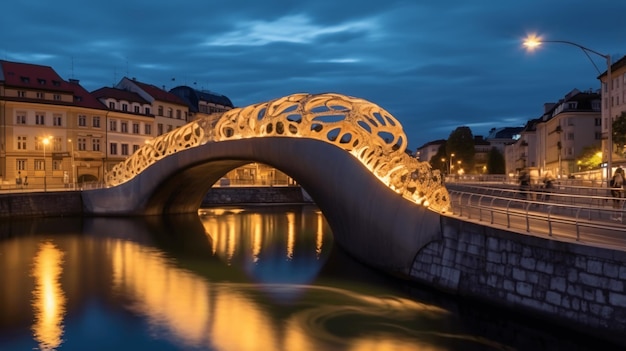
(352, 124)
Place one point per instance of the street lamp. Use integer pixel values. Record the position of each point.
(45, 142)
(532, 42)
(450, 166)
(73, 164)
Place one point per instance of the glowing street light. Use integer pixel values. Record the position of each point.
(532, 42)
(73, 164)
(450, 166)
(45, 142)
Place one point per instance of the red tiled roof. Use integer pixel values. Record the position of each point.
(26, 75)
(118, 94)
(160, 94)
(83, 98)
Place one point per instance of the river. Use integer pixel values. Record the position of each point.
(250, 278)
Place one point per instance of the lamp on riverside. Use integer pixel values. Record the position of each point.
(450, 167)
(45, 142)
(532, 42)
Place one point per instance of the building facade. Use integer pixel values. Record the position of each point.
(42, 121)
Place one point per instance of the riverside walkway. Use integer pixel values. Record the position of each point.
(568, 212)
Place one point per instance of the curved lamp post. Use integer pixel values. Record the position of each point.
(532, 42)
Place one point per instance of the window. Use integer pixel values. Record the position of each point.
(57, 120)
(178, 114)
(135, 128)
(56, 165)
(124, 107)
(169, 128)
(21, 142)
(147, 110)
(82, 120)
(147, 129)
(598, 122)
(113, 125)
(41, 81)
(124, 149)
(598, 136)
(25, 79)
(124, 127)
(57, 144)
(57, 97)
(570, 136)
(113, 150)
(170, 112)
(39, 165)
(20, 164)
(40, 95)
(20, 118)
(135, 148)
(112, 105)
(160, 111)
(40, 118)
(56, 83)
(95, 143)
(82, 144)
(96, 122)
(38, 143)
(160, 129)
(21, 94)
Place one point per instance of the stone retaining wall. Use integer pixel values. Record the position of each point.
(580, 286)
(255, 195)
(41, 204)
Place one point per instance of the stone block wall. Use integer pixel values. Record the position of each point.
(255, 195)
(41, 204)
(581, 286)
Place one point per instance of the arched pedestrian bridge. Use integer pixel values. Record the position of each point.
(349, 154)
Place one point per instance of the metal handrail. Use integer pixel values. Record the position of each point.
(588, 223)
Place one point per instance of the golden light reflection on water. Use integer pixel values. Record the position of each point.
(291, 234)
(197, 313)
(48, 297)
(319, 238)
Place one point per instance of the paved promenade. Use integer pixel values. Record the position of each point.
(565, 213)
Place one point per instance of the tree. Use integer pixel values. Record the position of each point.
(619, 134)
(461, 144)
(589, 158)
(495, 162)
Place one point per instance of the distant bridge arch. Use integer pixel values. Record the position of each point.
(349, 154)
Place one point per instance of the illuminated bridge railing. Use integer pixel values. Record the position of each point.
(363, 129)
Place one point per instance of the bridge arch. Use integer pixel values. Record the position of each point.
(381, 204)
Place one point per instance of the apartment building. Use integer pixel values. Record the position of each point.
(170, 111)
(129, 123)
(614, 104)
(203, 103)
(42, 119)
(553, 141)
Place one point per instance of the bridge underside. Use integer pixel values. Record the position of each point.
(368, 219)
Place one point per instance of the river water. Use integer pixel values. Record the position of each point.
(253, 278)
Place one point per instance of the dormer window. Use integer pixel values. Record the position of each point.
(41, 81)
(25, 79)
(56, 83)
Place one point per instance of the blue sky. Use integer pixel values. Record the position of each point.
(434, 65)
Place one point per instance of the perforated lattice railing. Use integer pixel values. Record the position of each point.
(363, 129)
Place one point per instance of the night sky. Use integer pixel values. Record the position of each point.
(434, 65)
